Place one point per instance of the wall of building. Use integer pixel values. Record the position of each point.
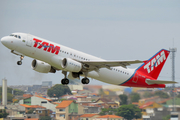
(73, 108)
(42, 102)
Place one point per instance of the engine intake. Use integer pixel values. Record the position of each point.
(71, 65)
(42, 67)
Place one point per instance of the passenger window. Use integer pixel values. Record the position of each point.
(19, 37)
(15, 36)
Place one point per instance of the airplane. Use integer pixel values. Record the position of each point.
(50, 57)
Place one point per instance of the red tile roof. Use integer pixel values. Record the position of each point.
(27, 95)
(31, 106)
(24, 105)
(110, 116)
(43, 98)
(88, 115)
(146, 105)
(135, 103)
(31, 119)
(64, 104)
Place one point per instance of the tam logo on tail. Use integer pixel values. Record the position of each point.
(154, 65)
(155, 62)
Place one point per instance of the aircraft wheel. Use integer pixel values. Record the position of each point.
(85, 81)
(19, 62)
(65, 81)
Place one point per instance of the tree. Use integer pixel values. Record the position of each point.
(123, 98)
(107, 111)
(30, 111)
(134, 97)
(18, 92)
(3, 113)
(58, 90)
(147, 94)
(167, 117)
(129, 112)
(161, 94)
(45, 118)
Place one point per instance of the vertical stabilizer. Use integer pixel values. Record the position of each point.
(154, 65)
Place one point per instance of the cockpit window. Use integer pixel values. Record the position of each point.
(17, 36)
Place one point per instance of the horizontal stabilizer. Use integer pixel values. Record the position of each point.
(148, 81)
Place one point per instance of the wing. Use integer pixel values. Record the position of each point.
(108, 64)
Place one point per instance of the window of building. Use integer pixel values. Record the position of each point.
(61, 109)
(62, 115)
(43, 101)
(39, 111)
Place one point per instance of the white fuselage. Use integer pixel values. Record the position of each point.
(115, 75)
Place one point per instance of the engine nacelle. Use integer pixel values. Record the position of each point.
(42, 67)
(71, 65)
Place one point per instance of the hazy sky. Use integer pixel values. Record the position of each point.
(110, 29)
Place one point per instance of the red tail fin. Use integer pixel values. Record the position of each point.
(154, 65)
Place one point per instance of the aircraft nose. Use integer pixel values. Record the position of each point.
(4, 40)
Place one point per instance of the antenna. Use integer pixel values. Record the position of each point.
(173, 50)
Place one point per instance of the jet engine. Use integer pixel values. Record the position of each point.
(71, 65)
(42, 67)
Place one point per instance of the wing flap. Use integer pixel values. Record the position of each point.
(148, 81)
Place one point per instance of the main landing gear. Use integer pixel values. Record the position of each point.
(85, 80)
(20, 62)
(65, 81)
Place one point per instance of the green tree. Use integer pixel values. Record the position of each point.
(45, 118)
(147, 94)
(30, 111)
(18, 92)
(167, 117)
(58, 90)
(129, 112)
(9, 97)
(134, 97)
(3, 113)
(161, 94)
(123, 98)
(107, 111)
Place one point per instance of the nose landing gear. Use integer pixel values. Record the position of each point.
(20, 62)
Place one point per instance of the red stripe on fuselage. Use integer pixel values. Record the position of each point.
(139, 80)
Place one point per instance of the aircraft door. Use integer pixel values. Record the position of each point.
(135, 78)
(29, 41)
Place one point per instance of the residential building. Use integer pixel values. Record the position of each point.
(148, 109)
(88, 116)
(38, 100)
(108, 117)
(67, 107)
(109, 103)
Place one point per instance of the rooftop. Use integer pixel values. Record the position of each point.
(110, 116)
(64, 104)
(88, 115)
